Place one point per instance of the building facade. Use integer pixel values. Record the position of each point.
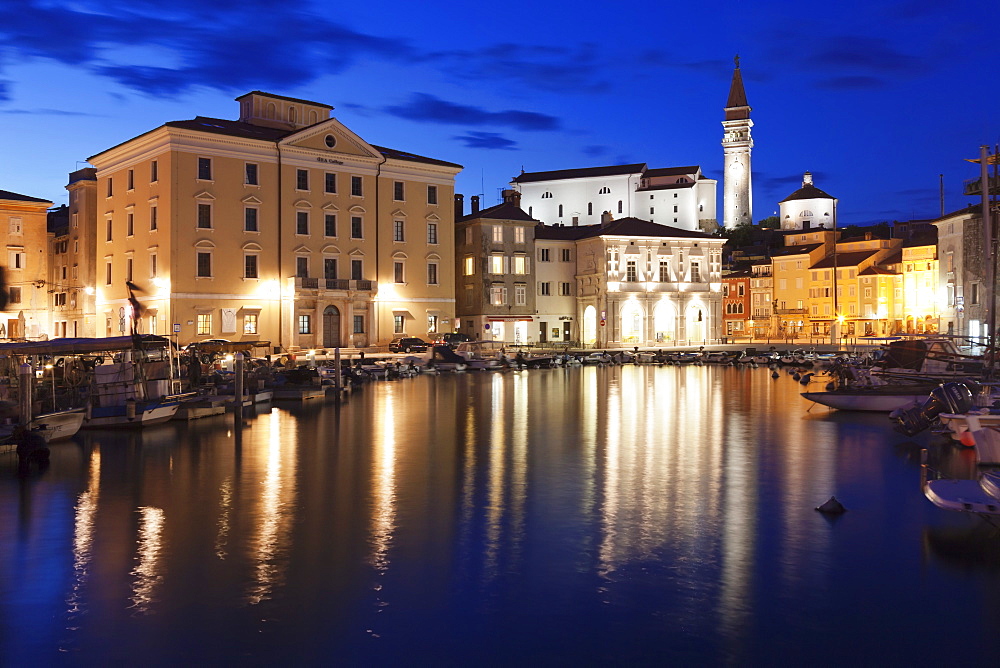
(808, 208)
(24, 231)
(737, 145)
(283, 226)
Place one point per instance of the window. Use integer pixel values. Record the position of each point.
(565, 289)
(204, 216)
(330, 225)
(250, 219)
(130, 179)
(397, 191)
(397, 231)
(204, 265)
(432, 233)
(356, 190)
(546, 195)
(564, 254)
(250, 174)
(204, 324)
(560, 211)
(250, 266)
(631, 274)
(356, 227)
(604, 191)
(397, 272)
(152, 265)
(302, 222)
(15, 295)
(109, 230)
(432, 273)
(520, 294)
(498, 295)
(154, 172)
(305, 323)
(107, 273)
(675, 208)
(543, 254)
(664, 271)
(152, 218)
(619, 206)
(695, 272)
(545, 289)
(250, 323)
(130, 224)
(111, 188)
(432, 194)
(590, 208)
(359, 324)
(17, 259)
(302, 267)
(519, 235)
(469, 266)
(330, 141)
(652, 210)
(128, 269)
(496, 264)
(330, 183)
(330, 268)
(204, 169)
(302, 179)
(498, 234)
(520, 264)
(356, 272)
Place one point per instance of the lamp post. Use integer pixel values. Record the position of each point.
(750, 325)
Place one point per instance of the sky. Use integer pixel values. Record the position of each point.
(879, 100)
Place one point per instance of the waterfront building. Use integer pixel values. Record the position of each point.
(961, 273)
(494, 266)
(680, 197)
(808, 208)
(72, 253)
(920, 272)
(24, 232)
(282, 226)
(737, 145)
(761, 293)
(791, 265)
(736, 302)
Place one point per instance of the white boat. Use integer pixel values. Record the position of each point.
(980, 496)
(882, 399)
(56, 426)
(132, 414)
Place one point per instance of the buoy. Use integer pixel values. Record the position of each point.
(806, 378)
(796, 376)
(967, 439)
(775, 374)
(832, 507)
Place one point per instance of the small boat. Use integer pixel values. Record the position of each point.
(56, 426)
(880, 398)
(980, 496)
(132, 414)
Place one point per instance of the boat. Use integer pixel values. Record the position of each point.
(56, 426)
(202, 405)
(980, 496)
(878, 398)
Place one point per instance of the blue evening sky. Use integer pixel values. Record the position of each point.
(877, 99)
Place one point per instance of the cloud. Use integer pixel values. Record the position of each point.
(596, 150)
(852, 83)
(424, 107)
(866, 54)
(487, 140)
(550, 68)
(5, 95)
(48, 112)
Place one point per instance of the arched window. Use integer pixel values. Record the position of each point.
(619, 206)
(560, 210)
(529, 211)
(590, 208)
(291, 114)
(682, 180)
(604, 191)
(546, 195)
(805, 214)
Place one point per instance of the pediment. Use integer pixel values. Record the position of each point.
(345, 142)
(302, 249)
(250, 199)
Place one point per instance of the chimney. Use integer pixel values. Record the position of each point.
(807, 179)
(606, 218)
(475, 204)
(459, 205)
(513, 197)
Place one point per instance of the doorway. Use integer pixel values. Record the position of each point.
(331, 327)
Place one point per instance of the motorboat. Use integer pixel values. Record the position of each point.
(876, 398)
(980, 496)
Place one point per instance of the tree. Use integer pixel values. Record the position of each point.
(771, 222)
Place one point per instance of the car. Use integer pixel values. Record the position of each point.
(451, 339)
(407, 344)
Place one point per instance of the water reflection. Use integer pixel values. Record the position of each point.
(147, 571)
(83, 535)
(384, 480)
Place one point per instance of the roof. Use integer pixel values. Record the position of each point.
(625, 227)
(851, 259)
(586, 172)
(282, 97)
(734, 275)
(502, 211)
(808, 191)
(737, 94)
(667, 186)
(18, 197)
(229, 128)
(798, 249)
(876, 271)
(672, 171)
(895, 258)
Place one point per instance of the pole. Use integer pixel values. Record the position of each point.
(835, 325)
(988, 249)
(337, 378)
(24, 385)
(238, 389)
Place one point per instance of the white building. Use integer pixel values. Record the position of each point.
(678, 196)
(808, 208)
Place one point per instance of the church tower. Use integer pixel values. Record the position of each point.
(737, 206)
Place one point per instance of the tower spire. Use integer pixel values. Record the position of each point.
(736, 145)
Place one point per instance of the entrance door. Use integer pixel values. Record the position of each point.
(566, 331)
(331, 327)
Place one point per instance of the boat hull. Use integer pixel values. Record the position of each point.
(871, 401)
(117, 417)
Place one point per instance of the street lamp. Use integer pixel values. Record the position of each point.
(750, 325)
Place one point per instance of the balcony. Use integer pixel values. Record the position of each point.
(975, 186)
(791, 311)
(333, 284)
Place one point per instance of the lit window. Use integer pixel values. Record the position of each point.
(470, 266)
(496, 264)
(520, 264)
(305, 324)
(250, 323)
(204, 324)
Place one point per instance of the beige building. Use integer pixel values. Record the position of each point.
(283, 226)
(72, 245)
(23, 229)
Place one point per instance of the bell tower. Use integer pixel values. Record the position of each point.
(737, 205)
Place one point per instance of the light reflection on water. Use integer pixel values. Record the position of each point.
(572, 516)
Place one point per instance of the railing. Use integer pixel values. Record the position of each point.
(303, 283)
(337, 284)
(975, 186)
(366, 286)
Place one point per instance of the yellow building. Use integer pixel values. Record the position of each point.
(920, 286)
(24, 232)
(792, 279)
(282, 226)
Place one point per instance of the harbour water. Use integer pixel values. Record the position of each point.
(587, 516)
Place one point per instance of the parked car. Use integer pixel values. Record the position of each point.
(452, 339)
(407, 344)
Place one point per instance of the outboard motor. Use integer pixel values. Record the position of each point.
(946, 398)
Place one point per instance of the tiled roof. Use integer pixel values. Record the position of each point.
(798, 249)
(876, 271)
(17, 197)
(808, 191)
(502, 211)
(852, 259)
(282, 97)
(586, 172)
(412, 157)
